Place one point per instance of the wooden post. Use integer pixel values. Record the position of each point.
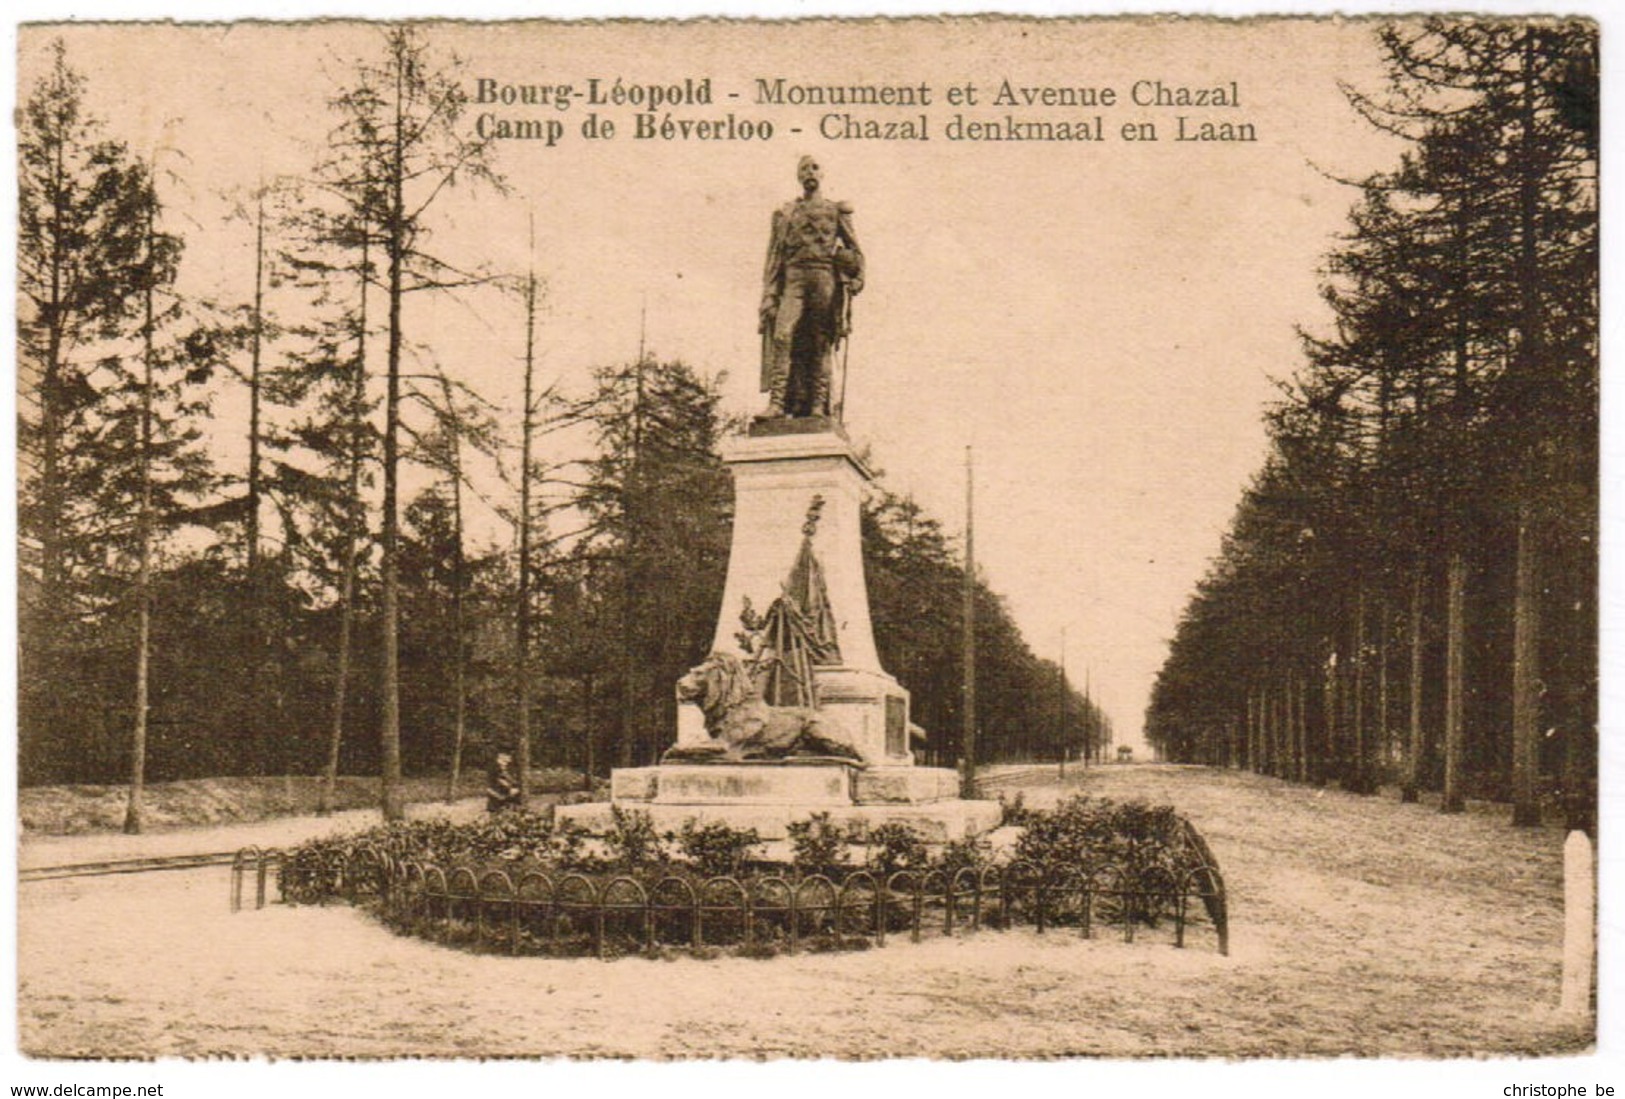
(1579, 923)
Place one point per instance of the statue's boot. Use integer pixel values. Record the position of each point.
(776, 393)
(820, 395)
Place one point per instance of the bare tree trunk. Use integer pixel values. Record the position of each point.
(460, 656)
(1526, 671)
(52, 571)
(1357, 772)
(353, 522)
(1303, 729)
(259, 643)
(1289, 728)
(1261, 755)
(1579, 792)
(1266, 728)
(1410, 788)
(590, 762)
(1289, 724)
(1289, 742)
(451, 437)
(390, 731)
(134, 812)
(1384, 734)
(1328, 747)
(1455, 682)
(1255, 735)
(328, 796)
(1527, 361)
(1266, 747)
(523, 610)
(630, 718)
(1252, 738)
(1276, 738)
(1281, 722)
(968, 624)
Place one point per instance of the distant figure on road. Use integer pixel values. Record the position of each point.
(501, 787)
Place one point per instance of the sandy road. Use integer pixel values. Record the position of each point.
(1360, 927)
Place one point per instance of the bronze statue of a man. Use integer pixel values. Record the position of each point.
(814, 267)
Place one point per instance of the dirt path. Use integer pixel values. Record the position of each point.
(1360, 927)
(35, 850)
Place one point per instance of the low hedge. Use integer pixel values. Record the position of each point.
(1131, 845)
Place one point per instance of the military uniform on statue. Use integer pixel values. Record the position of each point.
(791, 713)
(814, 269)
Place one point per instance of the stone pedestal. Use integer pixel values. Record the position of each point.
(770, 796)
(778, 470)
(776, 477)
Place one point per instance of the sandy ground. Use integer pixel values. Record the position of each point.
(39, 851)
(1360, 926)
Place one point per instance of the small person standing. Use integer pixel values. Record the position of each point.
(501, 787)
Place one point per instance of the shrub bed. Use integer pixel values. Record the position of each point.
(515, 882)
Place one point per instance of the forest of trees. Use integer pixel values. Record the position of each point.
(1408, 591)
(323, 607)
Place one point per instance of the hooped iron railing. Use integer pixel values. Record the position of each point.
(573, 913)
(252, 861)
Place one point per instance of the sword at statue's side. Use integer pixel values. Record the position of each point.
(846, 349)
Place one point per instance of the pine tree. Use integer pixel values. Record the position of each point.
(657, 502)
(461, 418)
(81, 253)
(1446, 425)
(112, 466)
(399, 146)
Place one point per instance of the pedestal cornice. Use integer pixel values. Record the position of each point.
(742, 449)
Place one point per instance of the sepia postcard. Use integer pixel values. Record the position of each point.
(1062, 542)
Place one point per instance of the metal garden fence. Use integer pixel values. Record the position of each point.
(533, 910)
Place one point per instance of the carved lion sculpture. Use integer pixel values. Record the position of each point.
(743, 726)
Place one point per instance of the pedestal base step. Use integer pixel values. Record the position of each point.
(820, 782)
(937, 822)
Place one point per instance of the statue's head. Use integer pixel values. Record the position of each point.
(809, 174)
(718, 685)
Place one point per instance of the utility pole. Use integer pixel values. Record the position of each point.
(1091, 729)
(1061, 732)
(967, 782)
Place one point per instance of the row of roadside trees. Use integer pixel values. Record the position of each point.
(1408, 591)
(322, 607)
